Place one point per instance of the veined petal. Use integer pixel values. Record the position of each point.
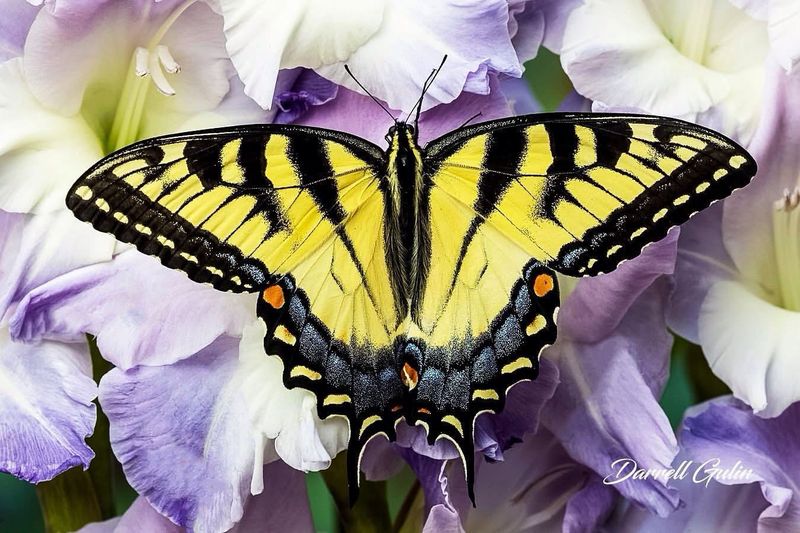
(416, 35)
(43, 152)
(286, 416)
(183, 436)
(263, 38)
(752, 346)
(141, 312)
(726, 433)
(606, 405)
(46, 408)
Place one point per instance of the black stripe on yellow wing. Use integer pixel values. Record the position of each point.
(588, 190)
(230, 206)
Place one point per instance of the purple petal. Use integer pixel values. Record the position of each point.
(14, 25)
(372, 122)
(158, 315)
(728, 435)
(715, 507)
(307, 90)
(597, 305)
(46, 408)
(702, 260)
(537, 487)
(606, 406)
(183, 436)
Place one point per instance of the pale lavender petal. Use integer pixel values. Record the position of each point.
(726, 433)
(141, 312)
(17, 18)
(38, 248)
(597, 305)
(46, 409)
(372, 123)
(556, 13)
(307, 89)
(606, 406)
(526, 27)
(183, 436)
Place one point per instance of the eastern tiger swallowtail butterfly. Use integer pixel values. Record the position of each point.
(409, 282)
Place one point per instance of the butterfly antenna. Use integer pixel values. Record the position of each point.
(421, 96)
(470, 119)
(347, 69)
(427, 86)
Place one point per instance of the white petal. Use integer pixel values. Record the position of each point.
(614, 52)
(416, 35)
(288, 416)
(263, 37)
(752, 346)
(43, 152)
(784, 21)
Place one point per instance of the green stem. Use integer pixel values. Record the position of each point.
(404, 513)
(370, 513)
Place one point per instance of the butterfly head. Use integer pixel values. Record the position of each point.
(402, 134)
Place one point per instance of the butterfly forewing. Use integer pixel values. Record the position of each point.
(583, 192)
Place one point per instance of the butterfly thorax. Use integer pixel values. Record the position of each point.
(406, 231)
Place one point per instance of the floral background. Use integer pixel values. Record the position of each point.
(170, 414)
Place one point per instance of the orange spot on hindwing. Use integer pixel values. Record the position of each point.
(542, 284)
(409, 376)
(273, 295)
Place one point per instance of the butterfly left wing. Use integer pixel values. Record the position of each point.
(289, 212)
(576, 193)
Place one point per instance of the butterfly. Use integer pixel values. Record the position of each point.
(409, 283)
